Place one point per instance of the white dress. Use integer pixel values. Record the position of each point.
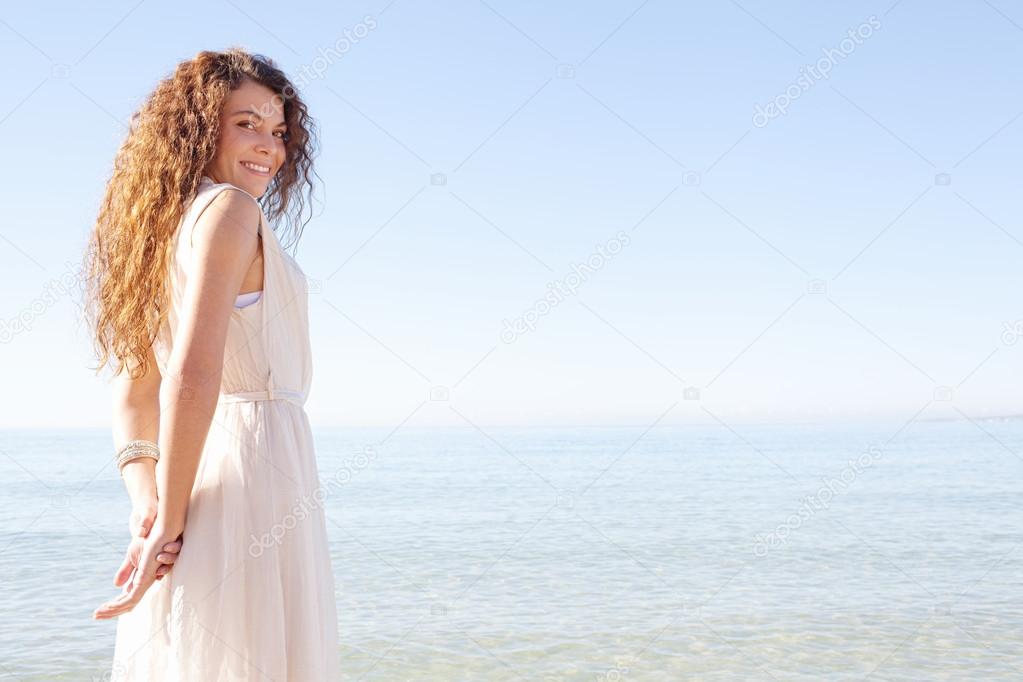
(251, 595)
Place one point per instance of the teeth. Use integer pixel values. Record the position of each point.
(259, 169)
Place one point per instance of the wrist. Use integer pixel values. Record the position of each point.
(140, 480)
(168, 522)
(145, 503)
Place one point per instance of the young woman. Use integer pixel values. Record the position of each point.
(204, 316)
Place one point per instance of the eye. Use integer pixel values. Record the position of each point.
(282, 133)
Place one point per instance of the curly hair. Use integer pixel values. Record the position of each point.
(171, 140)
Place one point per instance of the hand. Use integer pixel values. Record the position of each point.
(131, 560)
(144, 574)
(143, 515)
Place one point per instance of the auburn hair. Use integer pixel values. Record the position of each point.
(171, 140)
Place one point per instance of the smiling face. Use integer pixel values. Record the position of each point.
(251, 148)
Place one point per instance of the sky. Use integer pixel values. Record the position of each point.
(574, 213)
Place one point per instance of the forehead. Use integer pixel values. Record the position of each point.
(255, 97)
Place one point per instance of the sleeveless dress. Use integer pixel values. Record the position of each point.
(251, 595)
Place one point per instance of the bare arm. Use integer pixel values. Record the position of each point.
(136, 415)
(224, 244)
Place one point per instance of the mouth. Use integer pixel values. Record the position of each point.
(256, 169)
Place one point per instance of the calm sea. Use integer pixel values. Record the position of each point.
(704, 552)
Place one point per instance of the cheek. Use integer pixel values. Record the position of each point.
(228, 144)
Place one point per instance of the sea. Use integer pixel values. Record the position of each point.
(887, 551)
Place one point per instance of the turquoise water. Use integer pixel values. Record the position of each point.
(703, 552)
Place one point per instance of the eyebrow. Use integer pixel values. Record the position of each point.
(256, 114)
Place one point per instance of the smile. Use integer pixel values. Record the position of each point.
(256, 168)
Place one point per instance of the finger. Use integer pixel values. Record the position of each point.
(145, 576)
(173, 546)
(126, 601)
(123, 572)
(142, 519)
(112, 609)
(163, 571)
(166, 558)
(115, 606)
(103, 612)
(148, 519)
(130, 580)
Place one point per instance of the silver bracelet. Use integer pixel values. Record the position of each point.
(137, 449)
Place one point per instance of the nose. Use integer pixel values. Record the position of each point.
(264, 145)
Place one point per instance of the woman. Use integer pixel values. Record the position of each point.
(204, 315)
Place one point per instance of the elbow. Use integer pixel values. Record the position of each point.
(193, 382)
(132, 397)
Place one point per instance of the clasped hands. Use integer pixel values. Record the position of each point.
(151, 554)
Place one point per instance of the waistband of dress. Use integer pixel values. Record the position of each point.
(296, 397)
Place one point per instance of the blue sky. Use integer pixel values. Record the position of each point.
(856, 257)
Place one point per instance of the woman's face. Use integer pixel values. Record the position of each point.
(250, 149)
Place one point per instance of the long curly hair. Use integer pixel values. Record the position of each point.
(171, 140)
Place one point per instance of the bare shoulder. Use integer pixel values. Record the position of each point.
(224, 243)
(230, 223)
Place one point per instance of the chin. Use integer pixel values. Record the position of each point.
(256, 188)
